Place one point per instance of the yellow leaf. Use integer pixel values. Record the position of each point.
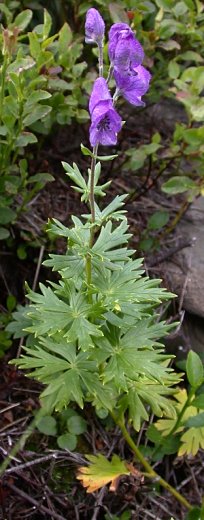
(166, 425)
(192, 440)
(101, 472)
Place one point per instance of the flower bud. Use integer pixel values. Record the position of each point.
(94, 27)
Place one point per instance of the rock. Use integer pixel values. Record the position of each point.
(184, 272)
(190, 335)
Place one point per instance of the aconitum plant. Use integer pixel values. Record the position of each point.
(94, 337)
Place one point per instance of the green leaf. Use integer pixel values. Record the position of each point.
(68, 441)
(169, 45)
(153, 434)
(11, 302)
(34, 98)
(24, 139)
(75, 175)
(86, 151)
(65, 38)
(21, 252)
(21, 64)
(59, 84)
(23, 19)
(194, 514)
(195, 422)
(173, 69)
(178, 185)
(52, 315)
(47, 425)
(35, 48)
(38, 112)
(118, 13)
(136, 158)
(76, 424)
(7, 215)
(191, 56)
(47, 24)
(158, 220)
(180, 9)
(198, 402)
(41, 178)
(194, 369)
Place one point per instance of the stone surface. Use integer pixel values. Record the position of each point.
(184, 272)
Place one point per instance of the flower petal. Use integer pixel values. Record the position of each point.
(105, 126)
(124, 49)
(94, 27)
(133, 86)
(99, 93)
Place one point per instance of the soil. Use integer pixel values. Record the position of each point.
(40, 482)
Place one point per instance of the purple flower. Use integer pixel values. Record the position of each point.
(125, 52)
(94, 27)
(105, 121)
(100, 92)
(133, 86)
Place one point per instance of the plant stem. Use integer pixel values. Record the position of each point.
(110, 73)
(3, 80)
(93, 217)
(100, 59)
(92, 182)
(185, 406)
(150, 471)
(182, 210)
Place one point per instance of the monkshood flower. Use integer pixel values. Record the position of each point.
(133, 86)
(105, 121)
(125, 52)
(94, 27)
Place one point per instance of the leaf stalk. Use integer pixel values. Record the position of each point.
(151, 473)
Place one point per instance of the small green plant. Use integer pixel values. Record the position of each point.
(66, 427)
(94, 336)
(39, 87)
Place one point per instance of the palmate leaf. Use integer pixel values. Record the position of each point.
(103, 254)
(51, 315)
(130, 361)
(112, 212)
(101, 472)
(193, 438)
(121, 289)
(143, 392)
(191, 441)
(81, 185)
(69, 265)
(69, 376)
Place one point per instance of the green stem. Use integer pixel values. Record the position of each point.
(150, 471)
(3, 80)
(93, 217)
(100, 59)
(110, 73)
(181, 414)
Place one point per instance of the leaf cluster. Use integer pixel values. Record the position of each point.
(98, 340)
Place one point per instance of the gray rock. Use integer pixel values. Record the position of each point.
(184, 272)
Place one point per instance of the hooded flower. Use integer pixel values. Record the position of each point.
(94, 27)
(105, 121)
(133, 86)
(125, 52)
